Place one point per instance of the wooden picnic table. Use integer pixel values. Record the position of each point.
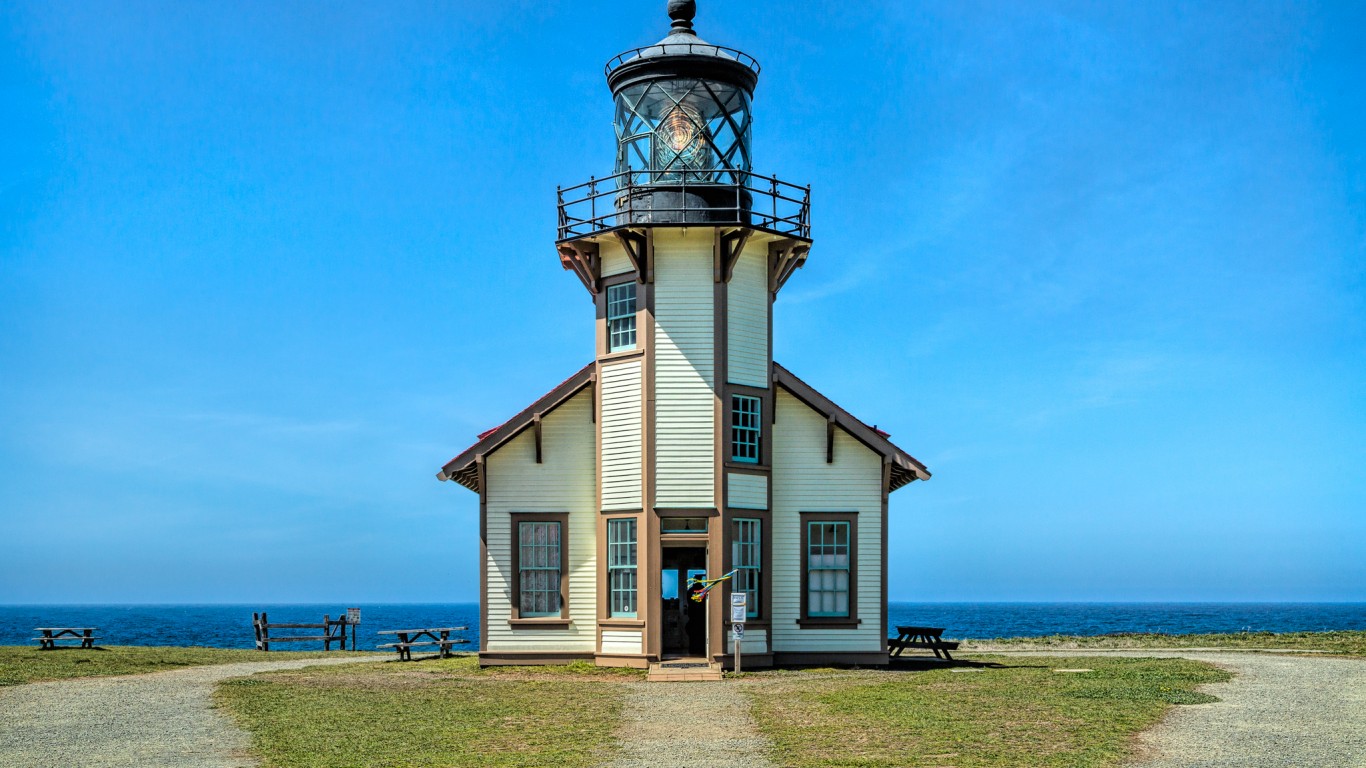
(51, 635)
(410, 638)
(922, 637)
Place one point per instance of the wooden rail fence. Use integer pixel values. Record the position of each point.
(333, 631)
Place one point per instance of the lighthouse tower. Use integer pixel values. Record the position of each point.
(682, 450)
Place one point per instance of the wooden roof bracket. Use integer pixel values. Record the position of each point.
(640, 249)
(785, 257)
(582, 257)
(729, 246)
(536, 427)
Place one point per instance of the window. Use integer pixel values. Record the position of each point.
(621, 317)
(621, 567)
(828, 560)
(672, 524)
(744, 428)
(539, 568)
(744, 558)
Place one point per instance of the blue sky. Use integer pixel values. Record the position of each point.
(265, 267)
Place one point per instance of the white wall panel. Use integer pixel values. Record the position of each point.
(621, 435)
(747, 319)
(685, 399)
(564, 482)
(803, 482)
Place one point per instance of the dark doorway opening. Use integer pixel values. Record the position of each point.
(685, 620)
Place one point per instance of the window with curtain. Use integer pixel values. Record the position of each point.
(621, 567)
(745, 549)
(538, 568)
(827, 569)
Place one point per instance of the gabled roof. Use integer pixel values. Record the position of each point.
(905, 468)
(463, 468)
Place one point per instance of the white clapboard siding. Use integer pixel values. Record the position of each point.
(747, 491)
(684, 369)
(621, 641)
(747, 319)
(756, 641)
(621, 426)
(564, 482)
(614, 258)
(803, 482)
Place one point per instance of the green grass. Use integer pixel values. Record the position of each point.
(28, 664)
(426, 713)
(1338, 643)
(1023, 713)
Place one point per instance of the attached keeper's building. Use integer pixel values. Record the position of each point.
(682, 449)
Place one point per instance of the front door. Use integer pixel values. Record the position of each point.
(685, 620)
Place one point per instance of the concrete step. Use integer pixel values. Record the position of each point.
(684, 672)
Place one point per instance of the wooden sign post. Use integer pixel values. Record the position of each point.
(737, 621)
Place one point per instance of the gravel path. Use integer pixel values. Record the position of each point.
(159, 720)
(689, 725)
(1278, 711)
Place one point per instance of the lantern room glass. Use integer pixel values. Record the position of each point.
(683, 130)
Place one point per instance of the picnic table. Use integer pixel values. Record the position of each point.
(48, 642)
(922, 637)
(411, 638)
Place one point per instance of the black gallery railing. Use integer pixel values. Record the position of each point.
(634, 198)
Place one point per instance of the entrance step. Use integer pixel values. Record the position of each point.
(684, 671)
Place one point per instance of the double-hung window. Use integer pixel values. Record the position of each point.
(745, 552)
(539, 566)
(828, 563)
(621, 566)
(745, 427)
(621, 317)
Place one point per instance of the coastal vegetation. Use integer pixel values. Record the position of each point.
(449, 712)
(29, 664)
(1073, 712)
(445, 712)
(1335, 643)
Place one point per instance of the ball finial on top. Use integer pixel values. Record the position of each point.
(682, 13)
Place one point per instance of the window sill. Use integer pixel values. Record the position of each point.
(820, 622)
(547, 622)
(742, 466)
(622, 622)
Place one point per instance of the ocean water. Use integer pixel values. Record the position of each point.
(229, 626)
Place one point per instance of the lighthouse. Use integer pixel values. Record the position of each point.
(682, 451)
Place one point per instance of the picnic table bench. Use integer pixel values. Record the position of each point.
(413, 638)
(922, 637)
(48, 642)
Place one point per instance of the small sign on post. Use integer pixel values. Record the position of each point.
(353, 618)
(738, 611)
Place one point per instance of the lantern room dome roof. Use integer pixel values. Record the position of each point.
(682, 54)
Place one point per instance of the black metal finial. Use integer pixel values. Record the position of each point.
(682, 13)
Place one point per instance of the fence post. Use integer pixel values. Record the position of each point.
(327, 633)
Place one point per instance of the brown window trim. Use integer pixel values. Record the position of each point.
(767, 413)
(642, 316)
(543, 622)
(851, 621)
(761, 621)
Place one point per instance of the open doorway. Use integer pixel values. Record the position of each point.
(685, 620)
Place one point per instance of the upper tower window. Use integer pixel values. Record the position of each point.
(621, 317)
(745, 427)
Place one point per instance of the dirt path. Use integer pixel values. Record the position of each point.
(660, 721)
(1280, 710)
(159, 720)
